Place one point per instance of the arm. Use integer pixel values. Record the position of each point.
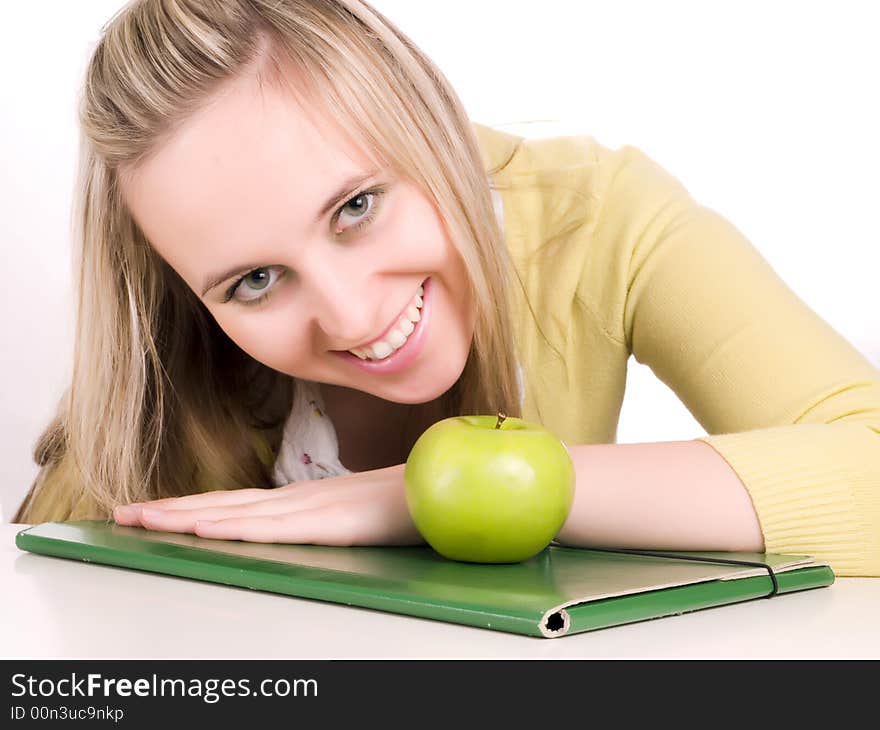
(675, 495)
(787, 403)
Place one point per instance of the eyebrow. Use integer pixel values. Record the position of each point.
(345, 190)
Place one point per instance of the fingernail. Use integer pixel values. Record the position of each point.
(126, 510)
(152, 512)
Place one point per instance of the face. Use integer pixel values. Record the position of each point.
(305, 250)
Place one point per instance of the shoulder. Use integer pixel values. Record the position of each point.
(573, 209)
(506, 154)
(554, 185)
(497, 147)
(579, 160)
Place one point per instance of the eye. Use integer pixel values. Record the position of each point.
(364, 206)
(258, 281)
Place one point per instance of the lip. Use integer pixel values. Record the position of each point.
(390, 326)
(403, 356)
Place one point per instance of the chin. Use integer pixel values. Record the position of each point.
(423, 388)
(423, 394)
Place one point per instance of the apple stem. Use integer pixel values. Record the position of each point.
(501, 418)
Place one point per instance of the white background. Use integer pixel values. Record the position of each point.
(767, 112)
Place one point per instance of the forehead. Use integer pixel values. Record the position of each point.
(254, 157)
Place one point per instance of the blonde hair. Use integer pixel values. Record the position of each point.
(161, 401)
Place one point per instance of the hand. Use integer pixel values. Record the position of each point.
(366, 508)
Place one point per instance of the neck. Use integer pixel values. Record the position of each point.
(369, 427)
(350, 403)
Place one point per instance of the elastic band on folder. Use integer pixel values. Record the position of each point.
(700, 560)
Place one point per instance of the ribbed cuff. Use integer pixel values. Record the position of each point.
(815, 488)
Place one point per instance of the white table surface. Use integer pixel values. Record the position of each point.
(57, 608)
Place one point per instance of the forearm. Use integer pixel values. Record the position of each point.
(672, 495)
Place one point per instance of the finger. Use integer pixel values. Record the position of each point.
(240, 496)
(307, 526)
(207, 499)
(130, 514)
(184, 520)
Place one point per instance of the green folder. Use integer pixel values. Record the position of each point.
(560, 591)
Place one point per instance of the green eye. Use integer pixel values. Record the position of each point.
(364, 213)
(362, 198)
(363, 207)
(257, 279)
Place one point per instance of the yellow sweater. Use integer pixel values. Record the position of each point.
(619, 259)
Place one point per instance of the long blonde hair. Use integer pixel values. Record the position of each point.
(162, 402)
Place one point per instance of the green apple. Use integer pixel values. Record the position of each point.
(487, 489)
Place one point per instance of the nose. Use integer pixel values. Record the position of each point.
(339, 303)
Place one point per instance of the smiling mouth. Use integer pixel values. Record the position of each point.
(396, 334)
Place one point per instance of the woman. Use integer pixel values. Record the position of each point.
(298, 253)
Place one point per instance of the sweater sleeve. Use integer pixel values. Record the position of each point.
(790, 405)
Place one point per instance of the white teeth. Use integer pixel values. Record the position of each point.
(381, 349)
(396, 338)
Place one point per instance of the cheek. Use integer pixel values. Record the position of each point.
(268, 338)
(416, 237)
